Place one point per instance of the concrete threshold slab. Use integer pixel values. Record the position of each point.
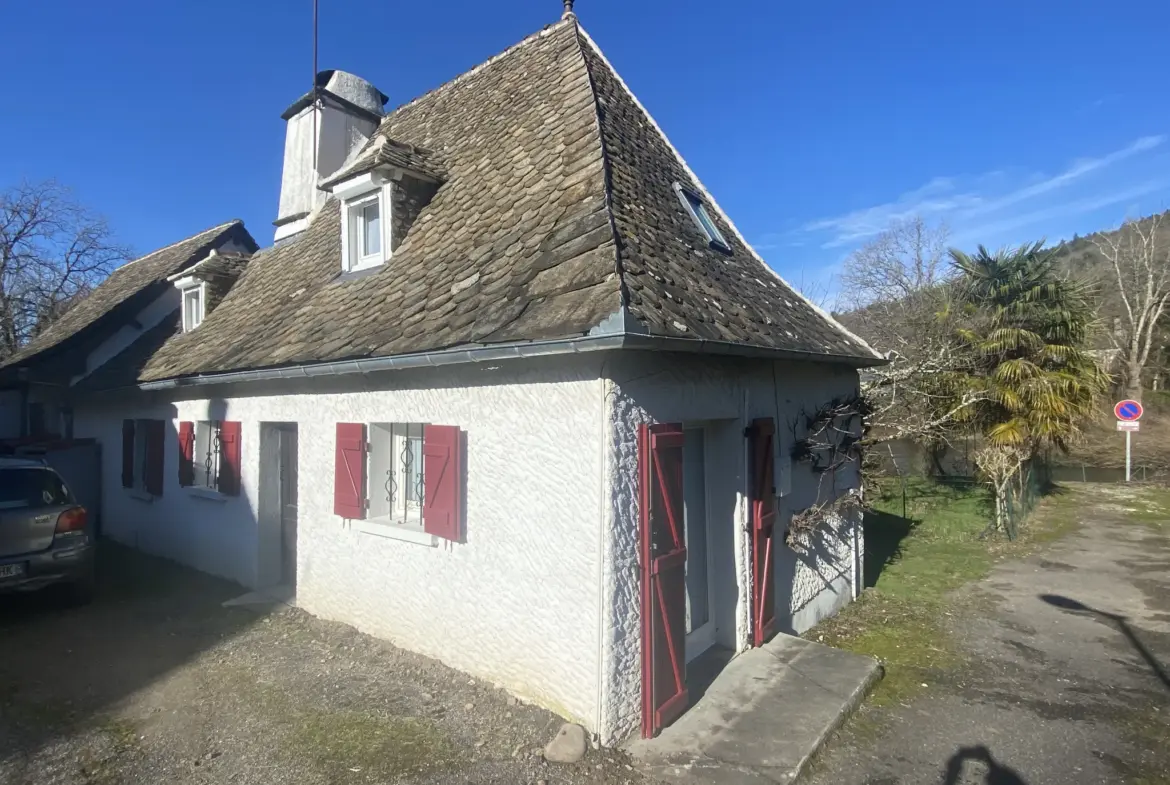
(764, 716)
(265, 599)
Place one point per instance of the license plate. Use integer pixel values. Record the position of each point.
(11, 570)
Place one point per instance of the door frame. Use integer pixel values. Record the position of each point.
(705, 635)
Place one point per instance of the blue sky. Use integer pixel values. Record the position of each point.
(813, 124)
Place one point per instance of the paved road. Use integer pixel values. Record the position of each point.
(1067, 680)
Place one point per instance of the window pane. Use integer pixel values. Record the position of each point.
(412, 468)
(31, 488)
(380, 470)
(371, 230)
(193, 313)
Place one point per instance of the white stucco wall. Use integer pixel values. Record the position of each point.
(811, 582)
(517, 603)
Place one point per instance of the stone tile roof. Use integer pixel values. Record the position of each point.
(216, 265)
(556, 212)
(384, 151)
(123, 369)
(119, 297)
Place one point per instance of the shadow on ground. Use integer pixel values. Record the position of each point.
(996, 773)
(1118, 621)
(63, 666)
(884, 533)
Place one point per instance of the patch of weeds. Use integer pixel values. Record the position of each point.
(390, 746)
(1151, 507)
(99, 762)
(382, 745)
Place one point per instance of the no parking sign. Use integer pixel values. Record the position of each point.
(1128, 413)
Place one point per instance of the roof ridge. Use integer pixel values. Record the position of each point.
(219, 227)
(607, 168)
(546, 30)
(710, 199)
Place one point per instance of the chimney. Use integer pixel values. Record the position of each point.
(346, 113)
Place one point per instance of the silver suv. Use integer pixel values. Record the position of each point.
(45, 535)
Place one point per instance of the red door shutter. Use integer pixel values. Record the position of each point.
(152, 473)
(664, 565)
(229, 458)
(442, 512)
(763, 500)
(127, 453)
(186, 454)
(349, 474)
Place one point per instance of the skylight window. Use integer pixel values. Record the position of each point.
(698, 212)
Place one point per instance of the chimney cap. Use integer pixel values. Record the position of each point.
(346, 89)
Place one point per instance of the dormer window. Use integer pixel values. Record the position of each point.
(365, 213)
(194, 302)
(698, 212)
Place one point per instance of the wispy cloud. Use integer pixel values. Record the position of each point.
(992, 202)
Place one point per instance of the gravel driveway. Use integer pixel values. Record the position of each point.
(1067, 669)
(155, 681)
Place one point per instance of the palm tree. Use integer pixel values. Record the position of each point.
(1025, 334)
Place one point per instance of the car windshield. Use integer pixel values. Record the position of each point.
(31, 487)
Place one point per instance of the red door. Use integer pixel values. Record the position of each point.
(664, 563)
(763, 499)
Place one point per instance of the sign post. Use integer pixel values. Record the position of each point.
(1129, 413)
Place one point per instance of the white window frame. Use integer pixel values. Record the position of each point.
(356, 194)
(395, 482)
(696, 208)
(199, 291)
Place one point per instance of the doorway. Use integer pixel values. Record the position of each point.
(277, 533)
(287, 435)
(689, 479)
(700, 620)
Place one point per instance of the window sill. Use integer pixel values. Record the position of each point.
(392, 530)
(206, 493)
(140, 495)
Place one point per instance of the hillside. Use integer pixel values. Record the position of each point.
(1080, 257)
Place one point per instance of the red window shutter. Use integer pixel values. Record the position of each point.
(186, 454)
(349, 474)
(443, 481)
(229, 458)
(127, 453)
(153, 471)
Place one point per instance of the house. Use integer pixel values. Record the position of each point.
(509, 390)
(36, 382)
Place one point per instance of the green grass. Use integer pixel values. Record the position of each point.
(1147, 505)
(923, 557)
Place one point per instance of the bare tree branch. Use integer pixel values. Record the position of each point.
(52, 252)
(1139, 255)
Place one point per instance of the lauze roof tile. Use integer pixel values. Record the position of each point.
(555, 209)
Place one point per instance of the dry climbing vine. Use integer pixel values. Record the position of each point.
(832, 438)
(832, 434)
